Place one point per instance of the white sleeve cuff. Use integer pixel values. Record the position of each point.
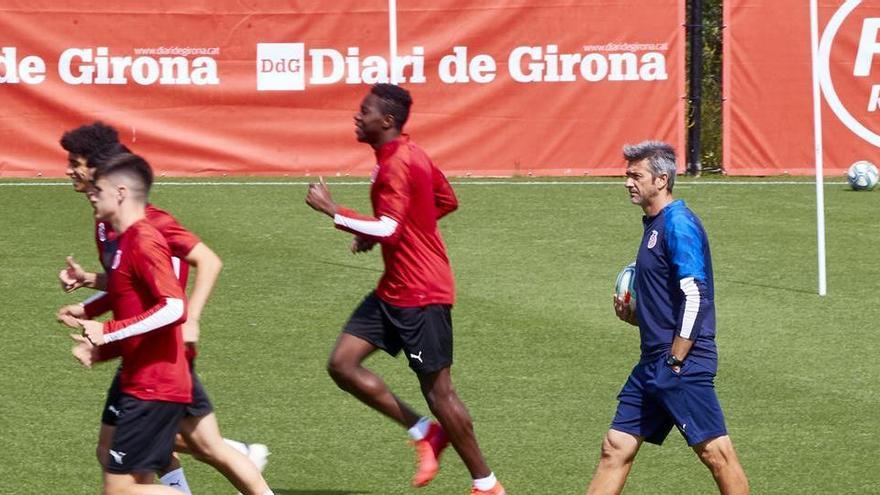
(171, 312)
(94, 298)
(383, 227)
(691, 306)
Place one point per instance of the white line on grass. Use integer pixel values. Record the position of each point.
(457, 183)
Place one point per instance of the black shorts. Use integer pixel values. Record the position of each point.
(144, 437)
(200, 406)
(424, 333)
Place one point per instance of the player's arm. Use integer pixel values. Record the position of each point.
(444, 196)
(167, 311)
(383, 229)
(366, 229)
(98, 282)
(685, 245)
(392, 205)
(73, 316)
(73, 276)
(152, 265)
(208, 266)
(187, 246)
(94, 306)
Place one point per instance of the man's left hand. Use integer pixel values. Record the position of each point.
(361, 245)
(83, 351)
(93, 331)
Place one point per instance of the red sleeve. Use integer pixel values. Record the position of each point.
(354, 214)
(97, 306)
(393, 198)
(391, 202)
(109, 351)
(180, 240)
(151, 263)
(444, 196)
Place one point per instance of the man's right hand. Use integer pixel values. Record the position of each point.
(190, 331)
(624, 312)
(71, 314)
(319, 198)
(73, 276)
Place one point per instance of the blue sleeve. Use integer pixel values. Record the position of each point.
(686, 242)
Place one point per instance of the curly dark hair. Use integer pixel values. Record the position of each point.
(395, 101)
(95, 142)
(102, 156)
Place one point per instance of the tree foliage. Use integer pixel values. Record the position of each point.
(710, 135)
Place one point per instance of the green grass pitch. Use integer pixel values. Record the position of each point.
(539, 355)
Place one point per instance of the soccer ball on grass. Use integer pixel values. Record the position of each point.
(862, 176)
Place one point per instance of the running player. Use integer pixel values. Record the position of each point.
(148, 306)
(411, 307)
(92, 145)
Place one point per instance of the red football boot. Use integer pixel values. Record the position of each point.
(496, 490)
(429, 449)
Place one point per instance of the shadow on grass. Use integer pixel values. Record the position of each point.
(316, 492)
(775, 287)
(355, 267)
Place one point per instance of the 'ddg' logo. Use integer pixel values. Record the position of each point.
(280, 67)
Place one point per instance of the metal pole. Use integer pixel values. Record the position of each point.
(695, 86)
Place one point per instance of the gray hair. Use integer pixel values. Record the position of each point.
(660, 155)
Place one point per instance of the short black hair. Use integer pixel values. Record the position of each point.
(104, 155)
(129, 165)
(88, 141)
(394, 101)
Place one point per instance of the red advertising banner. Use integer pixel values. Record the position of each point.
(768, 113)
(270, 88)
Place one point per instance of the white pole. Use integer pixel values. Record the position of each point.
(817, 136)
(392, 40)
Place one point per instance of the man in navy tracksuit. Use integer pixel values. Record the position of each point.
(673, 383)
